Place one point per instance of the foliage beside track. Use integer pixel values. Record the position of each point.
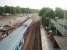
(48, 13)
(15, 10)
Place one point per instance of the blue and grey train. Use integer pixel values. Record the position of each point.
(15, 40)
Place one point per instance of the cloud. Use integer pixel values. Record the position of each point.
(37, 4)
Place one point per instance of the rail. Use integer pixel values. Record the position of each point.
(33, 41)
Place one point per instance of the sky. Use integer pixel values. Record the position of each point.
(35, 4)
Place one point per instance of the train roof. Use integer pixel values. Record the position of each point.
(10, 42)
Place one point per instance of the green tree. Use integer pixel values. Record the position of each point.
(46, 14)
(12, 10)
(18, 9)
(59, 12)
(6, 9)
(1, 10)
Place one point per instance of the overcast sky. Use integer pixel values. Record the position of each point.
(37, 4)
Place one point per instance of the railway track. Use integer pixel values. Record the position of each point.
(33, 40)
